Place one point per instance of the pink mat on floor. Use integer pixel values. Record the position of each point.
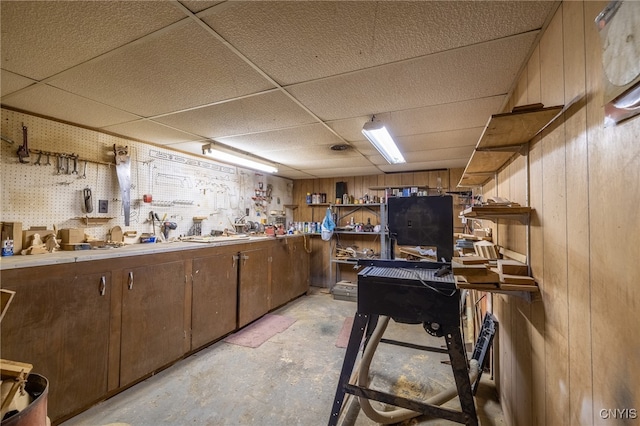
(343, 337)
(260, 331)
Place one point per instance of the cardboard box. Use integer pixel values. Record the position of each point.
(71, 235)
(13, 231)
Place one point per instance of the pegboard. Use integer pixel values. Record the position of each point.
(182, 186)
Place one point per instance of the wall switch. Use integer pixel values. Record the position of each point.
(103, 206)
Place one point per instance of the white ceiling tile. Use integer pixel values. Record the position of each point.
(12, 82)
(425, 165)
(452, 76)
(198, 5)
(436, 118)
(59, 34)
(151, 132)
(56, 103)
(427, 141)
(331, 171)
(284, 139)
(302, 41)
(142, 78)
(267, 111)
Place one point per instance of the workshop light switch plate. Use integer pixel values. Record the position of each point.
(103, 206)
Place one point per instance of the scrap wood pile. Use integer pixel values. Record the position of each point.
(351, 252)
(483, 273)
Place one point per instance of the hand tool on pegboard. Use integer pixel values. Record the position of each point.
(123, 169)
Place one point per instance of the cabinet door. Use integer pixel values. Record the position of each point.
(253, 285)
(153, 329)
(301, 261)
(59, 322)
(213, 307)
(282, 267)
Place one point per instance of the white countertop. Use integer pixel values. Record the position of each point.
(57, 257)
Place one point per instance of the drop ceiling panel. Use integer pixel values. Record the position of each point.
(301, 41)
(427, 141)
(56, 103)
(306, 137)
(330, 171)
(425, 165)
(151, 132)
(431, 119)
(177, 69)
(257, 113)
(57, 35)
(453, 76)
(198, 5)
(12, 82)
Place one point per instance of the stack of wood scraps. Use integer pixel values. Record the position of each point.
(514, 275)
(480, 273)
(474, 272)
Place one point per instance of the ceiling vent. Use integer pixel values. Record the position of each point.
(340, 147)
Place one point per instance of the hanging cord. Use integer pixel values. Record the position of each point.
(304, 239)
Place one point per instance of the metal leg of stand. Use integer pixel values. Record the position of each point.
(458, 358)
(360, 322)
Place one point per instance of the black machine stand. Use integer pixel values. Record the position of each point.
(417, 293)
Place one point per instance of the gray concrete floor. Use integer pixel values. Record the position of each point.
(289, 380)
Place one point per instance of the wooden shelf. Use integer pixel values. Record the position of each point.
(520, 213)
(93, 220)
(526, 292)
(504, 136)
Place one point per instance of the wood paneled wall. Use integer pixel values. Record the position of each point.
(574, 352)
(358, 186)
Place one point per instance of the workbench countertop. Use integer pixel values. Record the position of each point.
(57, 257)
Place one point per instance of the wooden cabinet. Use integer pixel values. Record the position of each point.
(59, 322)
(153, 331)
(214, 300)
(94, 327)
(301, 264)
(253, 284)
(289, 271)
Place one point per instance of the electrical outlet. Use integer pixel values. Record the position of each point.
(103, 206)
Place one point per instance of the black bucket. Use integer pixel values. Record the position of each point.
(36, 413)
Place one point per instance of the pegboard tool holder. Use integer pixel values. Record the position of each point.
(72, 156)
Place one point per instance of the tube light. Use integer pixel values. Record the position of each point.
(379, 136)
(218, 153)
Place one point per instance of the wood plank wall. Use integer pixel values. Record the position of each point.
(358, 186)
(574, 352)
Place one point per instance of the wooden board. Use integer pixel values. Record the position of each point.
(516, 287)
(6, 296)
(517, 279)
(485, 249)
(470, 260)
(14, 369)
(512, 267)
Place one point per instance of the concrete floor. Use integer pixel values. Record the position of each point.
(289, 380)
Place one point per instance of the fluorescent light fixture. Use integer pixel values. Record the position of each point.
(224, 154)
(378, 135)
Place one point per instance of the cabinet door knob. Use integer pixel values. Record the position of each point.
(130, 280)
(103, 285)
